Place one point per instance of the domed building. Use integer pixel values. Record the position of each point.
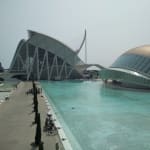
(131, 69)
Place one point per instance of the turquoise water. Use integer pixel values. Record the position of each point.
(98, 118)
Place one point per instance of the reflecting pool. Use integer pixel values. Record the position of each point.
(95, 117)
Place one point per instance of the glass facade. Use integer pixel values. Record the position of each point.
(137, 63)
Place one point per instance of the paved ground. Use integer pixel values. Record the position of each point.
(16, 117)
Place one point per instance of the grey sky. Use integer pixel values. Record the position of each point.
(113, 26)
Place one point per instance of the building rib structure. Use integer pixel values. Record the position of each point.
(44, 58)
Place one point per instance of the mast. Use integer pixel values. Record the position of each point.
(84, 43)
(85, 47)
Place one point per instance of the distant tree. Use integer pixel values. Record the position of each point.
(35, 118)
(1, 67)
(35, 102)
(38, 131)
(41, 146)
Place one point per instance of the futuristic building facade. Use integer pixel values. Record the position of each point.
(46, 58)
(132, 69)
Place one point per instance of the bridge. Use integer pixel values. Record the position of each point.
(85, 66)
(6, 75)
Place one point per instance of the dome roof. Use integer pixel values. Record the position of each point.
(142, 50)
(131, 69)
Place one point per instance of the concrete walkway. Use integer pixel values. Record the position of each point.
(16, 117)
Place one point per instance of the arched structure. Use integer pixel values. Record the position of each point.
(46, 58)
(132, 69)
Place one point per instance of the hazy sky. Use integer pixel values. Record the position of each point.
(113, 26)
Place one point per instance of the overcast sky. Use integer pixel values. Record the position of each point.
(113, 26)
